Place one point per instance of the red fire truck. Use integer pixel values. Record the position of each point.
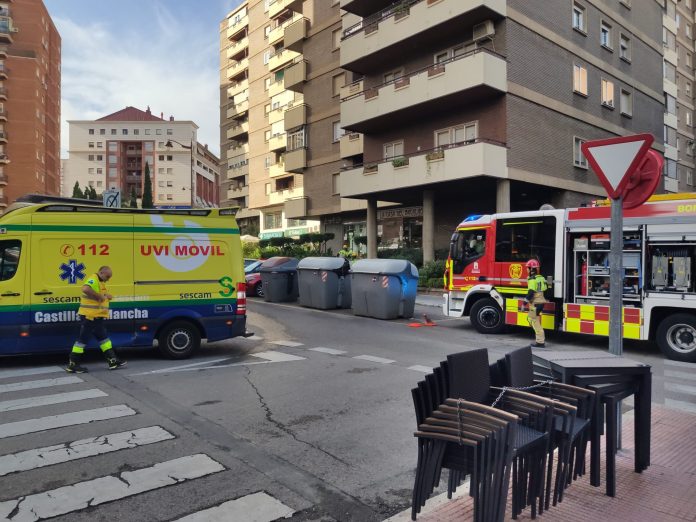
(486, 277)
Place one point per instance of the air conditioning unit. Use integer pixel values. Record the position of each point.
(483, 30)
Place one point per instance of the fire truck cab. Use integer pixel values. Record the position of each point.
(486, 277)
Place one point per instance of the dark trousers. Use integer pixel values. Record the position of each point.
(89, 328)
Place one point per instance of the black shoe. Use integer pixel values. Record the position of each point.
(537, 345)
(74, 367)
(116, 363)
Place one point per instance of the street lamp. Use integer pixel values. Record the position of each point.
(169, 146)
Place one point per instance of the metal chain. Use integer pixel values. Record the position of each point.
(520, 388)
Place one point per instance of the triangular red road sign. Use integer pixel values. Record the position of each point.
(615, 159)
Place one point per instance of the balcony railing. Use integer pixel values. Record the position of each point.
(370, 22)
(3, 178)
(277, 142)
(277, 169)
(3, 200)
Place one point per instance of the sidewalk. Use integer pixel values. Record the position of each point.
(666, 491)
(430, 299)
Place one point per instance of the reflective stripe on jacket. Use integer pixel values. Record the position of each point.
(90, 308)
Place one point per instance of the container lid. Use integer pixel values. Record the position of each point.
(323, 263)
(385, 266)
(279, 264)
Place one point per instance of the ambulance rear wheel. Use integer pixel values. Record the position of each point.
(487, 316)
(178, 340)
(676, 337)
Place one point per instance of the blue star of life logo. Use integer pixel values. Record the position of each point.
(72, 271)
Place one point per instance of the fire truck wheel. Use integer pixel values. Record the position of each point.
(676, 337)
(178, 340)
(487, 317)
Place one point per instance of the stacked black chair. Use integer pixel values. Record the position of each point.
(572, 418)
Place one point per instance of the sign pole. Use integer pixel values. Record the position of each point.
(616, 278)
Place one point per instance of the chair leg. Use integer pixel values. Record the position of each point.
(611, 447)
(595, 450)
(415, 499)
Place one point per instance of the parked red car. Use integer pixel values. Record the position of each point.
(253, 279)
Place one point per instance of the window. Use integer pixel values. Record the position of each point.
(670, 72)
(136, 132)
(338, 131)
(267, 162)
(579, 18)
(170, 184)
(669, 39)
(626, 102)
(688, 60)
(160, 171)
(688, 30)
(335, 184)
(170, 132)
(100, 144)
(169, 197)
(607, 93)
(670, 104)
(100, 183)
(91, 131)
(100, 157)
(113, 132)
(170, 171)
(605, 35)
(99, 170)
(266, 57)
(465, 133)
(336, 38)
(395, 75)
(124, 132)
(91, 144)
(523, 239)
(113, 173)
(297, 140)
(338, 82)
(158, 132)
(579, 159)
(689, 177)
(625, 48)
(393, 150)
(267, 135)
(149, 146)
(170, 158)
(273, 220)
(268, 188)
(160, 157)
(580, 79)
(90, 170)
(160, 197)
(687, 87)
(147, 132)
(689, 117)
(10, 251)
(670, 136)
(670, 168)
(102, 132)
(90, 157)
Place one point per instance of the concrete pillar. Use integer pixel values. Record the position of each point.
(502, 196)
(428, 226)
(371, 228)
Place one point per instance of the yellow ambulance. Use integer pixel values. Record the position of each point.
(178, 275)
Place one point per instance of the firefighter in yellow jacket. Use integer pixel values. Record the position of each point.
(94, 310)
(536, 285)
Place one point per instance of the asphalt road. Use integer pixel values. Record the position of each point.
(315, 411)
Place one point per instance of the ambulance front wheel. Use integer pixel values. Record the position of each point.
(487, 317)
(178, 340)
(676, 337)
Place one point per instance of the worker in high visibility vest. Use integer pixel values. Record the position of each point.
(93, 311)
(536, 285)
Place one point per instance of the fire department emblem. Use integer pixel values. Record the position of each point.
(515, 271)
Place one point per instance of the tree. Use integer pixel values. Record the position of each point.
(90, 193)
(133, 198)
(77, 191)
(147, 189)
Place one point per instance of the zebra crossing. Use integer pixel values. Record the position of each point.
(680, 391)
(28, 390)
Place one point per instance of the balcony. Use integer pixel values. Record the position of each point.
(296, 160)
(237, 47)
(3, 53)
(235, 151)
(277, 142)
(238, 192)
(238, 109)
(3, 200)
(295, 34)
(3, 179)
(364, 7)
(275, 88)
(276, 170)
(239, 25)
(296, 208)
(277, 34)
(279, 6)
(296, 76)
(6, 28)
(236, 88)
(238, 68)
(380, 37)
(3, 71)
(295, 116)
(3, 115)
(276, 115)
(238, 130)
(237, 169)
(468, 78)
(280, 59)
(3, 137)
(460, 161)
(351, 145)
(279, 197)
(3, 93)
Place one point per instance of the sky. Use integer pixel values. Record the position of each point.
(161, 53)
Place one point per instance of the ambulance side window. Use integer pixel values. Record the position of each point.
(9, 258)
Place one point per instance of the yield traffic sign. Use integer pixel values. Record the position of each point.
(614, 160)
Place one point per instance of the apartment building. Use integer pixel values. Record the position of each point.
(263, 168)
(678, 42)
(481, 106)
(113, 151)
(30, 57)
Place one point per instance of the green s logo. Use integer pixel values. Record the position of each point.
(227, 285)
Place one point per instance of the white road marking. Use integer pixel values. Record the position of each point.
(681, 405)
(181, 367)
(12, 429)
(76, 497)
(681, 375)
(257, 507)
(372, 358)
(45, 400)
(680, 388)
(221, 366)
(330, 351)
(253, 338)
(80, 449)
(419, 368)
(669, 362)
(272, 356)
(288, 344)
(23, 372)
(43, 383)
